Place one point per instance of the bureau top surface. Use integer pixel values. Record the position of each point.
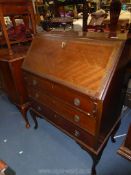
(82, 64)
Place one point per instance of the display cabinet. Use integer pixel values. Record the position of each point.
(16, 9)
(12, 52)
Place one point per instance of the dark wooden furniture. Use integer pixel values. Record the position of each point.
(74, 2)
(12, 56)
(12, 79)
(56, 22)
(77, 87)
(40, 10)
(125, 149)
(13, 8)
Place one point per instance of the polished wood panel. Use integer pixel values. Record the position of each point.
(85, 71)
(78, 80)
(74, 98)
(72, 114)
(63, 124)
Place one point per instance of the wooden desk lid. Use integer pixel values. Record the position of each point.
(82, 64)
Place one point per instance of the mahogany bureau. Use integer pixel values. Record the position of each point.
(75, 83)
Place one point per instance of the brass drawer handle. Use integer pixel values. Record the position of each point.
(76, 118)
(77, 102)
(88, 114)
(34, 82)
(77, 133)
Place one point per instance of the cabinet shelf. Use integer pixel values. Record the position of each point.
(14, 9)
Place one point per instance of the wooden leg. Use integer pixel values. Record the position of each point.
(95, 158)
(114, 132)
(95, 162)
(23, 109)
(34, 116)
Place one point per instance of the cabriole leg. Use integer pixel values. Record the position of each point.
(96, 159)
(23, 109)
(34, 116)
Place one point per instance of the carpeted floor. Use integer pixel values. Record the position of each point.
(47, 151)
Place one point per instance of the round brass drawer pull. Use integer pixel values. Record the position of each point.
(77, 133)
(34, 82)
(77, 102)
(76, 118)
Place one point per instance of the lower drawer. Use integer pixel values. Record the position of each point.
(75, 132)
(75, 116)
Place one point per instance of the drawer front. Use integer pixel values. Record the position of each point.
(72, 130)
(74, 98)
(69, 113)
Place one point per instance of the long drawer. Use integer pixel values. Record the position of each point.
(72, 97)
(69, 113)
(72, 130)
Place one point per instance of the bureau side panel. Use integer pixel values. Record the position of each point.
(114, 96)
(12, 79)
